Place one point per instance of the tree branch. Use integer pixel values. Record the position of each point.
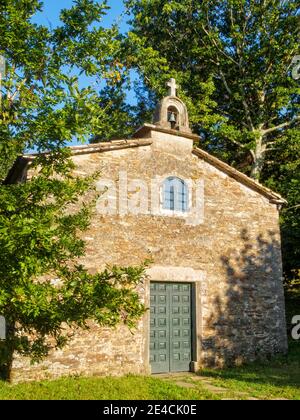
(278, 127)
(13, 97)
(247, 111)
(217, 47)
(294, 207)
(225, 83)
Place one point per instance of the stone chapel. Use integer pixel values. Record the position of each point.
(214, 290)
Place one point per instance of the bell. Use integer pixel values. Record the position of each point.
(172, 118)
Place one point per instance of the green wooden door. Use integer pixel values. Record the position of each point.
(170, 327)
(159, 328)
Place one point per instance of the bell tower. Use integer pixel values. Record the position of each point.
(170, 117)
(171, 112)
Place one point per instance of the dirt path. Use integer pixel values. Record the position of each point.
(191, 380)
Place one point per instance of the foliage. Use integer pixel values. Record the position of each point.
(39, 226)
(231, 59)
(43, 108)
(283, 175)
(119, 119)
(233, 62)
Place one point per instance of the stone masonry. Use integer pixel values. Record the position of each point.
(232, 254)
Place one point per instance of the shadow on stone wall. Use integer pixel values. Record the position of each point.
(248, 319)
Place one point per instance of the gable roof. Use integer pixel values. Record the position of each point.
(239, 176)
(16, 173)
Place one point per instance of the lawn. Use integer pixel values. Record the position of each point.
(127, 388)
(278, 378)
(274, 379)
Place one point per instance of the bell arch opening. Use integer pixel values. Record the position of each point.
(173, 117)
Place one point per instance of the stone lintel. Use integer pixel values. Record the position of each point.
(175, 274)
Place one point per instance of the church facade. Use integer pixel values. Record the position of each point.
(214, 288)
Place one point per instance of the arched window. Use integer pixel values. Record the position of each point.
(175, 195)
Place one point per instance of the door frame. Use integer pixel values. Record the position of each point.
(197, 280)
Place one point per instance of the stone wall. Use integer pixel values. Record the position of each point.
(236, 247)
(95, 352)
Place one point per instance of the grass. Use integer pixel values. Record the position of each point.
(275, 379)
(278, 378)
(127, 388)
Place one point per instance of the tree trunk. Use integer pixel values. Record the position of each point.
(258, 158)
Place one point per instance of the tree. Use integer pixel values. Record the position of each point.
(283, 175)
(235, 62)
(232, 60)
(119, 119)
(43, 108)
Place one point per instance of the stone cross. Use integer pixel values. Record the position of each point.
(173, 87)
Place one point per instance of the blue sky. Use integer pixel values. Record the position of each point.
(51, 10)
(50, 17)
